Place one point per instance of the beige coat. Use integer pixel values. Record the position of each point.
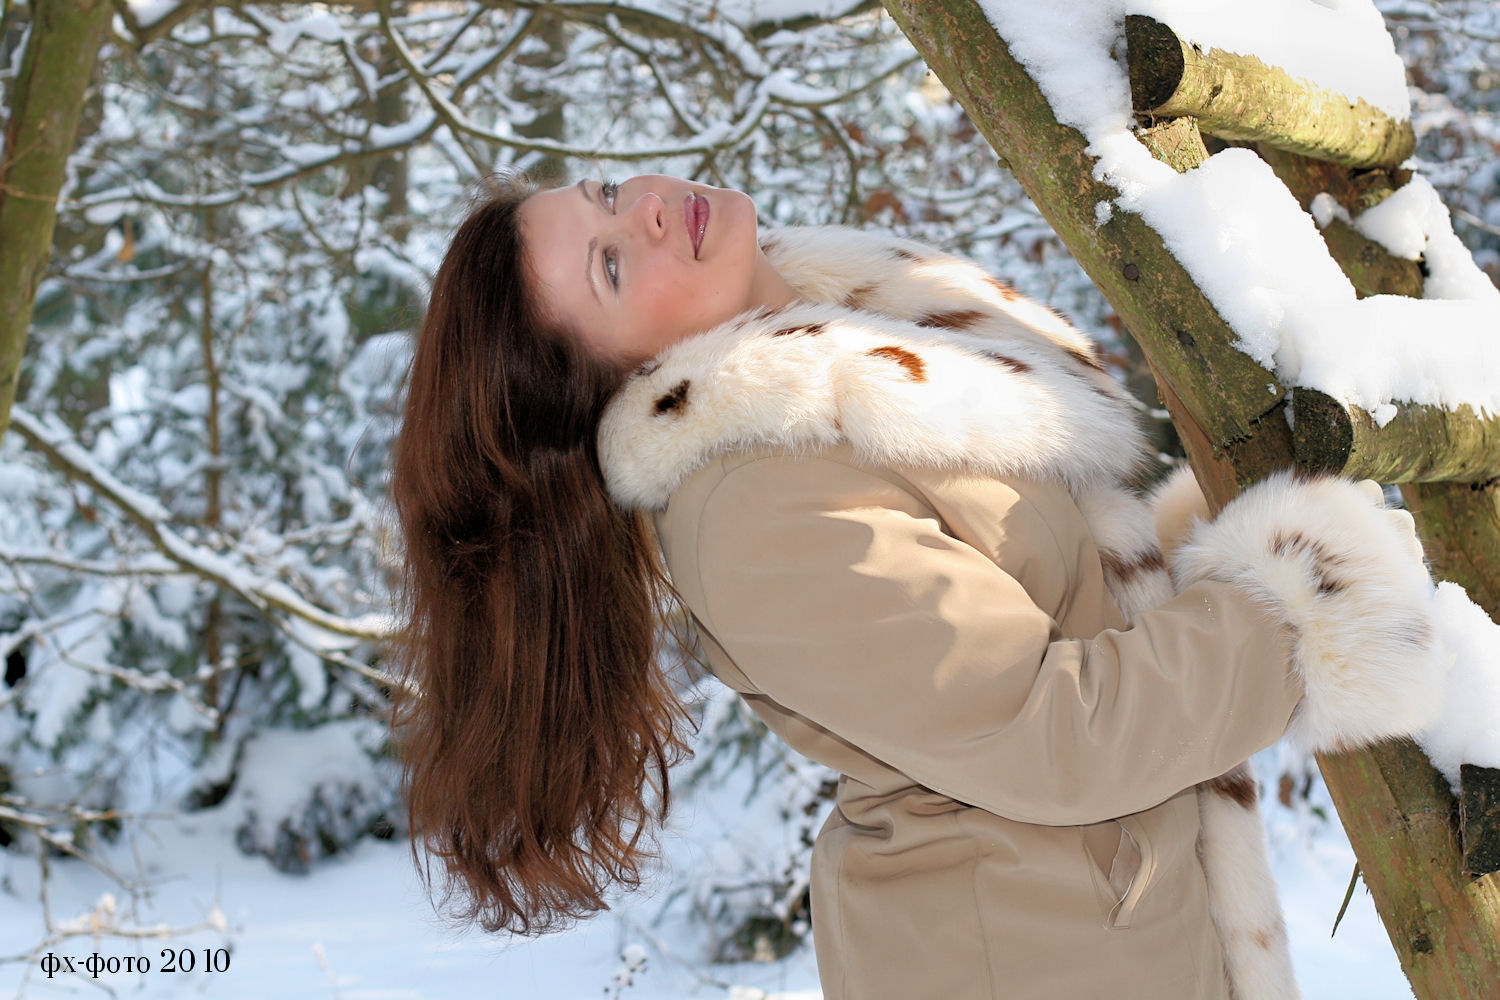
(899, 520)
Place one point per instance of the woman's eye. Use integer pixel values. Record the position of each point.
(608, 190)
(612, 268)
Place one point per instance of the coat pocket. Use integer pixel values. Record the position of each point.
(1122, 863)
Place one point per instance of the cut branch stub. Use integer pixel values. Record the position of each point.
(1479, 812)
(1239, 97)
(1420, 444)
(1157, 62)
(1177, 142)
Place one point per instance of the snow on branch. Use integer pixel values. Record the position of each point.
(44, 822)
(1264, 265)
(143, 21)
(724, 34)
(88, 567)
(264, 594)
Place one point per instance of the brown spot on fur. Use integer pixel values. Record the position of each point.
(806, 330)
(915, 369)
(1014, 364)
(1007, 292)
(1283, 544)
(953, 319)
(1123, 569)
(1331, 585)
(1090, 360)
(856, 297)
(904, 254)
(674, 400)
(1237, 786)
(1262, 940)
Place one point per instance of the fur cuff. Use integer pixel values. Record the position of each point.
(1177, 503)
(1325, 556)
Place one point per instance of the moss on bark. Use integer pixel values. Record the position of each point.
(46, 98)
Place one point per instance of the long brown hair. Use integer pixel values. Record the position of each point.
(540, 720)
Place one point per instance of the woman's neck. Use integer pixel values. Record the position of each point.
(767, 286)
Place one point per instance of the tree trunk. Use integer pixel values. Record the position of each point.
(45, 100)
(1398, 812)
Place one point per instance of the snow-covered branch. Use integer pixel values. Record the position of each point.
(266, 595)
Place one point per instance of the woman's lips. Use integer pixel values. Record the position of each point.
(695, 217)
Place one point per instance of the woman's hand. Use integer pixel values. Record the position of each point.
(1408, 524)
(1327, 557)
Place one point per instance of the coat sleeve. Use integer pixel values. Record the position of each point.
(840, 597)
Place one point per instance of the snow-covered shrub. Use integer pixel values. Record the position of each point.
(755, 807)
(299, 795)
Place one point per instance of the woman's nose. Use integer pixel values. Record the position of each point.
(650, 212)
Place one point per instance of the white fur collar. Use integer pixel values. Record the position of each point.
(910, 355)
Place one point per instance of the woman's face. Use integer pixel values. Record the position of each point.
(634, 267)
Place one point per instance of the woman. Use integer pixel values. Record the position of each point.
(894, 496)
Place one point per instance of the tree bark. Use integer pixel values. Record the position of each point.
(1239, 97)
(45, 100)
(1460, 528)
(1396, 808)
(1371, 270)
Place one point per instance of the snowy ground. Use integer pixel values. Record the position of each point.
(359, 927)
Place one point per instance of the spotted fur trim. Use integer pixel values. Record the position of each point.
(1324, 556)
(1242, 898)
(921, 359)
